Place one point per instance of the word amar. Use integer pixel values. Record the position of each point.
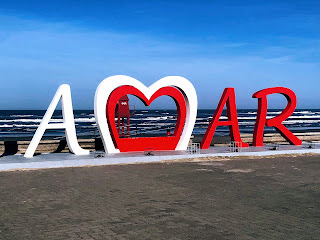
(111, 89)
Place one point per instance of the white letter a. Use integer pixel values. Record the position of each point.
(64, 93)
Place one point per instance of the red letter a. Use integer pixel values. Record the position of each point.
(228, 97)
(275, 122)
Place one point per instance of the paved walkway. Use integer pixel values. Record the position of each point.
(56, 160)
(269, 198)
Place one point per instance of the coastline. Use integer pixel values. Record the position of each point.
(14, 146)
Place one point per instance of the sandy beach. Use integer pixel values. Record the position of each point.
(211, 198)
(54, 146)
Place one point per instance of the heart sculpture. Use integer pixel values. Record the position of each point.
(178, 88)
(130, 144)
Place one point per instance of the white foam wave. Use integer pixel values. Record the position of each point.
(85, 119)
(278, 112)
(21, 115)
(247, 118)
(6, 126)
(291, 117)
(23, 125)
(150, 126)
(274, 113)
(25, 120)
(304, 112)
(300, 121)
(246, 123)
(201, 119)
(285, 122)
(51, 120)
(155, 118)
(202, 123)
(305, 116)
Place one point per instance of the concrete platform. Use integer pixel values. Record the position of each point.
(58, 160)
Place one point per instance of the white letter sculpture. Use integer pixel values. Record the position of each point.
(109, 84)
(64, 93)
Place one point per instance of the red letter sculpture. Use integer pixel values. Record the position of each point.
(275, 122)
(228, 97)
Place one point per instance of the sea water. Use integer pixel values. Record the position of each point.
(22, 124)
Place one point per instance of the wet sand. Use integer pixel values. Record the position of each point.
(210, 198)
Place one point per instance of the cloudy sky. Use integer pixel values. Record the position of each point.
(248, 45)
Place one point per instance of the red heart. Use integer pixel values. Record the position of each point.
(130, 144)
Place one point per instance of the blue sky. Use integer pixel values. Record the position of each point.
(248, 45)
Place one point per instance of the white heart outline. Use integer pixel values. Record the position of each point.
(109, 84)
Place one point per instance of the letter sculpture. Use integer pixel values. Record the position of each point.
(64, 93)
(275, 122)
(114, 87)
(228, 98)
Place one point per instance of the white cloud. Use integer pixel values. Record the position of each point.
(36, 57)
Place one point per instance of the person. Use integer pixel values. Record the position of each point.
(168, 132)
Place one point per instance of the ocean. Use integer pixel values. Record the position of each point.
(21, 124)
